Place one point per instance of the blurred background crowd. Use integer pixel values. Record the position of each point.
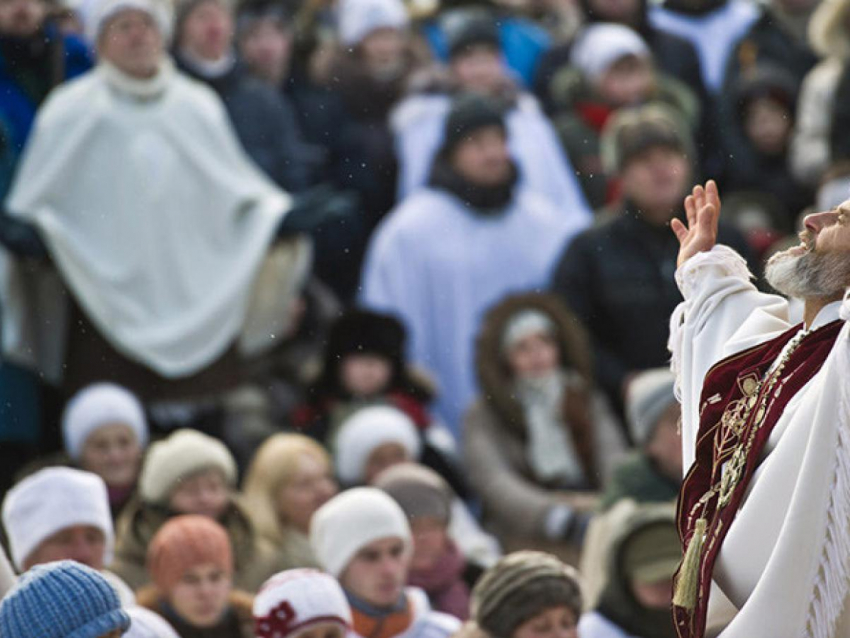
(375, 287)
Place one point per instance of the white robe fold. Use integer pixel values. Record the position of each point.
(153, 214)
(439, 267)
(785, 563)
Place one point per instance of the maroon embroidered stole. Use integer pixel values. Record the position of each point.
(738, 411)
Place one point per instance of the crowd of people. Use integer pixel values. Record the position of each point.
(335, 318)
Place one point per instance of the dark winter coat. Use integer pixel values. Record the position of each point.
(265, 124)
(618, 278)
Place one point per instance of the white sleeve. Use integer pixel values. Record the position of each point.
(722, 313)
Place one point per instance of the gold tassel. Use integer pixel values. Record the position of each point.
(687, 584)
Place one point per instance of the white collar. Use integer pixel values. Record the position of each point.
(827, 314)
(138, 89)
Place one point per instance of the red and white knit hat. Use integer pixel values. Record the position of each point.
(290, 601)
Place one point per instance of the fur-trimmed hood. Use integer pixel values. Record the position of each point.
(495, 378)
(828, 31)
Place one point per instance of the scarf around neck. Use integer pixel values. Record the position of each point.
(550, 451)
(489, 200)
(374, 622)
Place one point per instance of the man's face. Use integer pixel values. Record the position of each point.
(85, 544)
(378, 572)
(655, 181)
(482, 158)
(266, 48)
(21, 18)
(479, 69)
(207, 32)
(132, 42)
(820, 266)
(629, 82)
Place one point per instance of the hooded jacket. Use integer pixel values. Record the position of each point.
(496, 433)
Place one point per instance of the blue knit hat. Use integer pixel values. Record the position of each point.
(62, 600)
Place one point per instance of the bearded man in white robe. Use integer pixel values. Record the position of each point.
(156, 221)
(764, 511)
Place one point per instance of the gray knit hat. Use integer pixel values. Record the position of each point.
(631, 131)
(520, 586)
(649, 395)
(419, 490)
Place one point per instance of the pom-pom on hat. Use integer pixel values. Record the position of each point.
(95, 406)
(62, 600)
(51, 500)
(184, 542)
(365, 431)
(295, 599)
(182, 454)
(350, 521)
(359, 18)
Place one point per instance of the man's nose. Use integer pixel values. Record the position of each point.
(818, 221)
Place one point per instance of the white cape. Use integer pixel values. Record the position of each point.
(785, 563)
(153, 214)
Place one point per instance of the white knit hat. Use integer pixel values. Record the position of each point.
(98, 405)
(366, 430)
(350, 521)
(291, 601)
(359, 18)
(51, 500)
(524, 324)
(103, 10)
(649, 395)
(182, 454)
(600, 45)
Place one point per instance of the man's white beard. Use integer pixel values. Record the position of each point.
(809, 275)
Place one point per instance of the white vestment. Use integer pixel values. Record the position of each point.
(785, 563)
(153, 214)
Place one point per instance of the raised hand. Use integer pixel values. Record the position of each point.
(702, 208)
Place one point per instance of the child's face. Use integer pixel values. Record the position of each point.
(429, 542)
(629, 81)
(365, 375)
(533, 356)
(767, 124)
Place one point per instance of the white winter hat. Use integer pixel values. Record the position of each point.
(366, 430)
(51, 500)
(292, 600)
(182, 454)
(98, 405)
(146, 624)
(350, 521)
(359, 18)
(649, 395)
(104, 10)
(601, 45)
(524, 324)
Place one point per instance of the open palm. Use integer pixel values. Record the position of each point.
(702, 208)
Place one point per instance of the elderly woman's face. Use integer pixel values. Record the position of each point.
(533, 356)
(555, 622)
